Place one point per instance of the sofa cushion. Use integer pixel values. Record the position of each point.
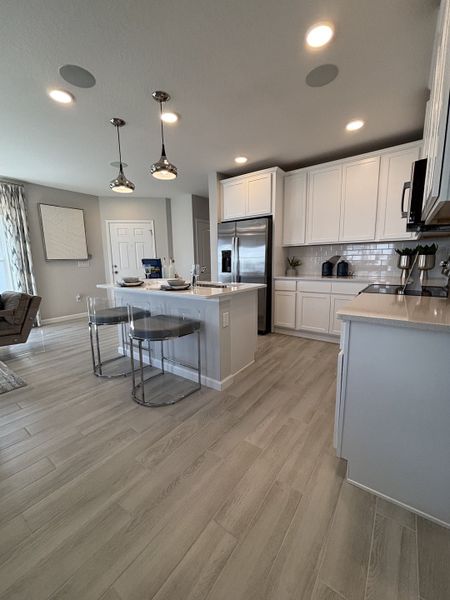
(8, 329)
(17, 302)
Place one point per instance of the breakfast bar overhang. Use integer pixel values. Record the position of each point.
(229, 325)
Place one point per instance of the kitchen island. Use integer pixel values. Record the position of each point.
(229, 329)
(393, 400)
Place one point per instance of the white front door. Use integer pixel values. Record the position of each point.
(130, 242)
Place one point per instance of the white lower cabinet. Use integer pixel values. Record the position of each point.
(313, 312)
(310, 306)
(337, 302)
(284, 313)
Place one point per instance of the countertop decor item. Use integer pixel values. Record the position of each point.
(120, 184)
(163, 169)
(342, 269)
(426, 260)
(405, 260)
(293, 263)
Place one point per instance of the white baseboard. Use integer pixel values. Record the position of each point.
(188, 373)
(64, 318)
(320, 337)
(420, 513)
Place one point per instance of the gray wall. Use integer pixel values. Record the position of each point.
(116, 208)
(58, 282)
(183, 234)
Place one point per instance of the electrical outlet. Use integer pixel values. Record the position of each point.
(78, 297)
(225, 319)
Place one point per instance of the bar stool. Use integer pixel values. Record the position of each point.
(158, 327)
(101, 312)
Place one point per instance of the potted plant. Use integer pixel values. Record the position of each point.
(293, 263)
(426, 259)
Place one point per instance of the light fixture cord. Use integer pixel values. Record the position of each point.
(120, 152)
(163, 149)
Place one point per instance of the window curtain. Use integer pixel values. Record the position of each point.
(13, 210)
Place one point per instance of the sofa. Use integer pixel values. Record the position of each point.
(17, 314)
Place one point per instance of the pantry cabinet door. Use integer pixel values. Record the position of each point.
(359, 200)
(313, 312)
(394, 171)
(294, 209)
(284, 312)
(259, 195)
(337, 302)
(324, 204)
(234, 199)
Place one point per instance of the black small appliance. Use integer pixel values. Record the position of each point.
(342, 269)
(327, 268)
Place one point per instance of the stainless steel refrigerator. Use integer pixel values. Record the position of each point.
(245, 256)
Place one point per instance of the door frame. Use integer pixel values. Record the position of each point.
(108, 222)
(197, 222)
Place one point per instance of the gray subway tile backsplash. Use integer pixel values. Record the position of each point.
(367, 260)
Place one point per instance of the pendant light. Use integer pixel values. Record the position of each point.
(163, 169)
(121, 184)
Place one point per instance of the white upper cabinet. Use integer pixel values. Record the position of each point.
(247, 196)
(234, 199)
(324, 204)
(259, 201)
(294, 209)
(395, 170)
(359, 200)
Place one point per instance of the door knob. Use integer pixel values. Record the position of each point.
(116, 272)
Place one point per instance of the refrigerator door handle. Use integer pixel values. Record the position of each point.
(233, 259)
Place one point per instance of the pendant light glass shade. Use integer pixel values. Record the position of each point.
(163, 169)
(120, 184)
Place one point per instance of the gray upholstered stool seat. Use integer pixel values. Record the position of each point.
(102, 312)
(159, 328)
(163, 327)
(114, 315)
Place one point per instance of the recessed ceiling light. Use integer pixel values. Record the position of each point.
(241, 160)
(354, 125)
(319, 35)
(61, 96)
(169, 117)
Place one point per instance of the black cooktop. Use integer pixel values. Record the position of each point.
(397, 290)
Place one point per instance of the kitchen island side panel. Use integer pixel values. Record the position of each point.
(396, 423)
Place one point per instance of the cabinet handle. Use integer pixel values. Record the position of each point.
(406, 186)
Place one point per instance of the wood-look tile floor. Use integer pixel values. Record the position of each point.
(233, 495)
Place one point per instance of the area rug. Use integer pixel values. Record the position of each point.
(9, 380)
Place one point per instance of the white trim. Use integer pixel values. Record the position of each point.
(401, 504)
(191, 374)
(64, 318)
(110, 278)
(334, 339)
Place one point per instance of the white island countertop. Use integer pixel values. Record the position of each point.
(197, 293)
(420, 312)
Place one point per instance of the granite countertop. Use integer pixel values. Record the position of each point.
(420, 312)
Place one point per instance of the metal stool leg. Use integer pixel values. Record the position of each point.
(141, 365)
(133, 376)
(99, 366)
(162, 357)
(91, 338)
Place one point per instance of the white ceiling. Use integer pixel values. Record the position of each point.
(236, 71)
